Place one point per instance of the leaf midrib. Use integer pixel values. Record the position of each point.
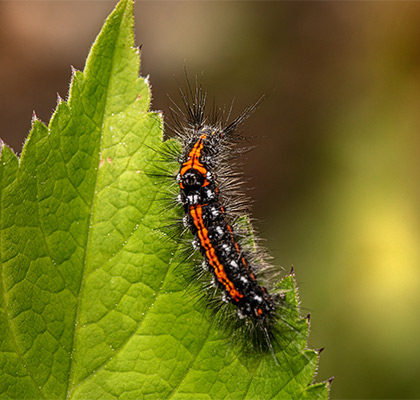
(70, 389)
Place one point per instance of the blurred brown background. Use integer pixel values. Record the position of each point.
(336, 169)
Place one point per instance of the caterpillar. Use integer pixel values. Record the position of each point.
(212, 206)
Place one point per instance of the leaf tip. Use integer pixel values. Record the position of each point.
(34, 117)
(6, 152)
(138, 49)
(34, 121)
(147, 80)
(59, 99)
(74, 71)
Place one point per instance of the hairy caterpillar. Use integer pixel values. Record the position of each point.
(232, 266)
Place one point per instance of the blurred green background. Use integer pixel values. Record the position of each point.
(336, 170)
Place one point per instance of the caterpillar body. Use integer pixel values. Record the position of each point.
(208, 193)
(205, 217)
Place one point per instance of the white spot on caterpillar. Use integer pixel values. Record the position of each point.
(258, 298)
(224, 297)
(193, 199)
(210, 194)
(226, 248)
(214, 212)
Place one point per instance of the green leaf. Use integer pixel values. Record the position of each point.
(92, 305)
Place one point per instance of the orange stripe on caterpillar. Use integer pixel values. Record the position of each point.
(197, 215)
(193, 161)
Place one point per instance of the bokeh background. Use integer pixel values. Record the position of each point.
(336, 170)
